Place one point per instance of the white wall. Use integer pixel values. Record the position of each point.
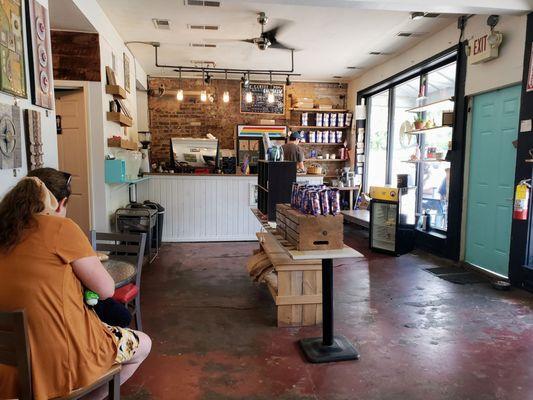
(112, 196)
(7, 177)
(503, 71)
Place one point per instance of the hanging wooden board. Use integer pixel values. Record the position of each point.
(260, 104)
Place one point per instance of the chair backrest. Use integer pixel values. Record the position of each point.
(128, 243)
(15, 349)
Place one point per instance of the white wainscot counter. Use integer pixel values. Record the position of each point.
(206, 208)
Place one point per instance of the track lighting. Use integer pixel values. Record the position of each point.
(203, 96)
(179, 95)
(245, 80)
(288, 81)
(207, 78)
(225, 97)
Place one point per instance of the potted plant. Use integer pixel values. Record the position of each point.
(419, 123)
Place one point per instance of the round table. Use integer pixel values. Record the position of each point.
(122, 272)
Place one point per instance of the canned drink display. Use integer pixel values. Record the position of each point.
(332, 136)
(324, 201)
(312, 137)
(339, 136)
(334, 201)
(314, 201)
(319, 136)
(325, 136)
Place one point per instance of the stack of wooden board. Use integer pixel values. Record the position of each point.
(296, 286)
(309, 232)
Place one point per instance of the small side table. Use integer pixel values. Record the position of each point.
(328, 348)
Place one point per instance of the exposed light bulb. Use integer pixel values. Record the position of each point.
(203, 96)
(270, 97)
(225, 97)
(248, 97)
(179, 95)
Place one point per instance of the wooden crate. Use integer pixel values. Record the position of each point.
(309, 232)
(298, 289)
(281, 219)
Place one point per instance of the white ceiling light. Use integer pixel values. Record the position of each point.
(270, 97)
(225, 97)
(248, 97)
(203, 96)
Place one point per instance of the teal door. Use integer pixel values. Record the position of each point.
(491, 179)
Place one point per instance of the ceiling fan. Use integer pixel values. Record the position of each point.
(267, 39)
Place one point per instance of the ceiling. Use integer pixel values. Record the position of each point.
(64, 15)
(330, 35)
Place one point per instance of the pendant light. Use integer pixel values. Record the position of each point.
(179, 95)
(248, 97)
(203, 93)
(225, 95)
(270, 96)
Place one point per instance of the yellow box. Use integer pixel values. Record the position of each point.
(384, 193)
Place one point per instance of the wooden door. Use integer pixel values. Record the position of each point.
(490, 185)
(73, 154)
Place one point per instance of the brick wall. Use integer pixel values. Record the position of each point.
(192, 118)
(75, 56)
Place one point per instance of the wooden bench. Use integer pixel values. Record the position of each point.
(296, 286)
(357, 217)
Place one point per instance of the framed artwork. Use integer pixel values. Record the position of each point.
(10, 137)
(34, 143)
(12, 73)
(127, 82)
(40, 55)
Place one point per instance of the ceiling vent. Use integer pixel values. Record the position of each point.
(337, 77)
(376, 53)
(203, 27)
(202, 3)
(161, 23)
(210, 45)
(431, 15)
(354, 67)
(405, 34)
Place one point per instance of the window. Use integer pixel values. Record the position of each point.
(416, 140)
(378, 106)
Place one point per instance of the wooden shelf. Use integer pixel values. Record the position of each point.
(424, 161)
(334, 110)
(119, 118)
(116, 91)
(329, 128)
(435, 104)
(435, 129)
(324, 160)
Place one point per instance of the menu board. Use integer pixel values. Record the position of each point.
(260, 104)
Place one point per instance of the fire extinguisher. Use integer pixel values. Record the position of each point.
(521, 200)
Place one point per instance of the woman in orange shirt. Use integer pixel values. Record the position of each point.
(45, 261)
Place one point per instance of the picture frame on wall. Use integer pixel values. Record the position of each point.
(34, 143)
(41, 75)
(127, 82)
(12, 61)
(10, 137)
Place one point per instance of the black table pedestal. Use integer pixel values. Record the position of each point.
(328, 348)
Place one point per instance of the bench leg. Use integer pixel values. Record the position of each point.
(114, 388)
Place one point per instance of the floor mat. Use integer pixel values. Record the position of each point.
(457, 275)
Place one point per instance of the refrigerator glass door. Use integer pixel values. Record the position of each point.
(383, 226)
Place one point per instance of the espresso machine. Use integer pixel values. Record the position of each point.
(145, 138)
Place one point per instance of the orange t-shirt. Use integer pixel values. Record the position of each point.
(70, 347)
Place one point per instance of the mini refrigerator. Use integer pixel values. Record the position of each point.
(392, 219)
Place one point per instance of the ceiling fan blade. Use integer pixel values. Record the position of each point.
(281, 46)
(277, 29)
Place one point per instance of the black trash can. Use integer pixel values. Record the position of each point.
(157, 237)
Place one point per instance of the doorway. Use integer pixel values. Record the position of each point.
(72, 144)
(491, 179)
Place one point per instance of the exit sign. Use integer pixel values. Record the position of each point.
(481, 49)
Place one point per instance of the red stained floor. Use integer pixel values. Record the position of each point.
(419, 336)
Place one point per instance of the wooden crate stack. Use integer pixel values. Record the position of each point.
(296, 287)
(309, 232)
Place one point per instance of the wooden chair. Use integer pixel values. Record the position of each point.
(15, 351)
(125, 247)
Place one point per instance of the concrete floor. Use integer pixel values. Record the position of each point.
(419, 336)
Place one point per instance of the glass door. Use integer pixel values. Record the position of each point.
(378, 120)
